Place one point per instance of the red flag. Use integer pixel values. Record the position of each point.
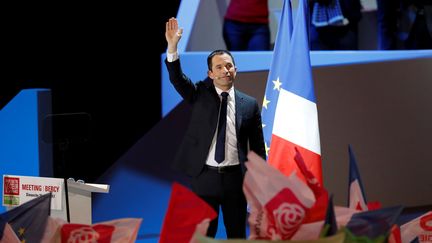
(356, 193)
(185, 211)
(278, 204)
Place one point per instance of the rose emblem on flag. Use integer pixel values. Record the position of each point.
(77, 233)
(288, 216)
(84, 234)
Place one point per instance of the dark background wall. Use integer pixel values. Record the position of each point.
(100, 59)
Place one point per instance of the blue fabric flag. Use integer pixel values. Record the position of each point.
(2, 226)
(330, 225)
(356, 195)
(375, 223)
(29, 219)
(278, 65)
(289, 113)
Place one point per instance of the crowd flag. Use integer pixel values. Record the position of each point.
(419, 229)
(278, 203)
(29, 219)
(330, 224)
(356, 195)
(374, 224)
(185, 211)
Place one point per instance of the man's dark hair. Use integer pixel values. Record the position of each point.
(217, 52)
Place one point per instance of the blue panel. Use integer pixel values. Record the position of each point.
(137, 195)
(19, 146)
(133, 194)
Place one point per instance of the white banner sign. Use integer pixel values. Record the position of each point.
(20, 189)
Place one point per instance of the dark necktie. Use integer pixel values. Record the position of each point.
(220, 140)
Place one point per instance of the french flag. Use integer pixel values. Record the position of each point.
(289, 110)
(357, 198)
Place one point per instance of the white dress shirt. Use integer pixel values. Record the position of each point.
(171, 57)
(231, 153)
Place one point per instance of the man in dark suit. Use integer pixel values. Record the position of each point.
(404, 24)
(214, 149)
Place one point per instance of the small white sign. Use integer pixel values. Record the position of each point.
(20, 189)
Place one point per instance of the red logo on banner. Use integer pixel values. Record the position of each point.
(11, 186)
(288, 213)
(75, 233)
(426, 225)
(426, 222)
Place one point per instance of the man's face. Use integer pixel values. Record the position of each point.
(223, 71)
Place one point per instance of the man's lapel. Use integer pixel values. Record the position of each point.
(239, 105)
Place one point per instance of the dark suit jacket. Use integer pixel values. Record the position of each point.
(193, 151)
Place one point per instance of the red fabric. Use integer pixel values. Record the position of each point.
(288, 213)
(318, 211)
(281, 157)
(395, 235)
(373, 205)
(248, 11)
(185, 211)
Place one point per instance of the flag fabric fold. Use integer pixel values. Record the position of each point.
(375, 223)
(28, 220)
(185, 211)
(318, 211)
(330, 225)
(420, 228)
(311, 231)
(7, 234)
(289, 110)
(123, 230)
(278, 204)
(395, 235)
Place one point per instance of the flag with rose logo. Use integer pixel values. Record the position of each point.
(122, 230)
(278, 204)
(419, 228)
